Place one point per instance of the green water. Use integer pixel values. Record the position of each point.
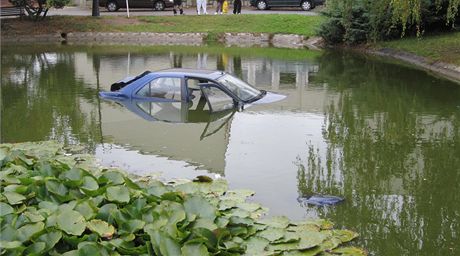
(382, 135)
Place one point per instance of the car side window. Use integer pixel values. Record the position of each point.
(217, 99)
(162, 87)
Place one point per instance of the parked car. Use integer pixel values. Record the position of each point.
(218, 89)
(306, 5)
(157, 5)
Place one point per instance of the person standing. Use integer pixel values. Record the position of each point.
(178, 4)
(219, 6)
(237, 7)
(201, 4)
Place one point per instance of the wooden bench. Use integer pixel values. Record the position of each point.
(11, 11)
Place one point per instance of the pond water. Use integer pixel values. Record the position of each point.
(383, 136)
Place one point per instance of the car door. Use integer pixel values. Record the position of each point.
(140, 3)
(217, 99)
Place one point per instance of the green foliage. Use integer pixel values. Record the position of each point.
(39, 8)
(53, 214)
(360, 21)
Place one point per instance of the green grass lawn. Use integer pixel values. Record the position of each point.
(445, 47)
(270, 23)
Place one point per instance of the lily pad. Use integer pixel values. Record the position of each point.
(350, 251)
(71, 222)
(102, 228)
(272, 234)
(50, 239)
(194, 250)
(36, 248)
(27, 231)
(13, 197)
(276, 222)
(200, 207)
(256, 245)
(118, 194)
(5, 209)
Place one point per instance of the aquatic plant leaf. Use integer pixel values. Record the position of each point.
(48, 205)
(239, 195)
(89, 184)
(86, 209)
(163, 244)
(102, 228)
(256, 245)
(117, 194)
(355, 251)
(236, 220)
(33, 215)
(250, 207)
(276, 222)
(27, 231)
(75, 175)
(91, 248)
(50, 239)
(20, 189)
(205, 223)
(344, 235)
(112, 178)
(289, 237)
(156, 188)
(5, 209)
(106, 212)
(272, 234)
(71, 222)
(310, 239)
(57, 188)
(10, 244)
(208, 236)
(132, 226)
(35, 249)
(200, 207)
(13, 197)
(71, 253)
(194, 250)
(304, 227)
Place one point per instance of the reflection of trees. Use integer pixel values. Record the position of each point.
(393, 151)
(45, 100)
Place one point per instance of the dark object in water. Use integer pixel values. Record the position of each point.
(320, 200)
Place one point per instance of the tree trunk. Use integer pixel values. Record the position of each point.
(96, 8)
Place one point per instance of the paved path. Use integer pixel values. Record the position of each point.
(77, 11)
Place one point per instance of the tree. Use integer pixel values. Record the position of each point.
(358, 21)
(39, 8)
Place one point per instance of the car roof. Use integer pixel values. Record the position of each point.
(201, 73)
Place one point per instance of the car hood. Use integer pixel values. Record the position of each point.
(269, 97)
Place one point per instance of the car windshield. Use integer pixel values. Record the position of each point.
(241, 89)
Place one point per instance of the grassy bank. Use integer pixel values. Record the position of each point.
(273, 23)
(444, 47)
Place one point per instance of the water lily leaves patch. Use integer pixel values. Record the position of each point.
(53, 202)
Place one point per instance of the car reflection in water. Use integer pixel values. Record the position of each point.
(180, 112)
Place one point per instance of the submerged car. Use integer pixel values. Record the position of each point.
(220, 90)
